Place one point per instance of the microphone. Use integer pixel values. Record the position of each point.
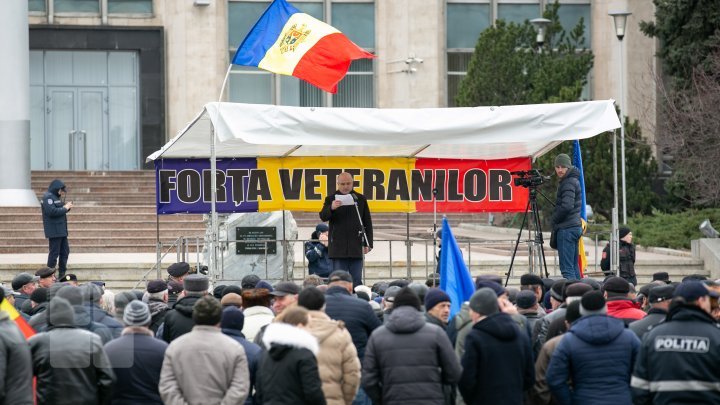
(354, 197)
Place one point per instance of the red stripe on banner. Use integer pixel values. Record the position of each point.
(326, 63)
(474, 185)
(26, 329)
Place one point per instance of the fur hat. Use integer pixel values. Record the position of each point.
(593, 303)
(196, 283)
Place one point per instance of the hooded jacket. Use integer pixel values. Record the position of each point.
(597, 354)
(568, 201)
(337, 359)
(498, 362)
(70, 364)
(178, 321)
(625, 309)
(288, 369)
(204, 367)
(407, 361)
(53, 211)
(15, 364)
(678, 360)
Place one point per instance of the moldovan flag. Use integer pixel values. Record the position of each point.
(577, 162)
(26, 330)
(455, 278)
(288, 42)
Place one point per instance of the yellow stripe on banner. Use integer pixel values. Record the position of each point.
(309, 179)
(300, 33)
(7, 307)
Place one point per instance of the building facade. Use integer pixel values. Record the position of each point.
(113, 80)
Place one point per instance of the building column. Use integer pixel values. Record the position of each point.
(15, 190)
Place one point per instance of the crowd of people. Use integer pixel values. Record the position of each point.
(182, 340)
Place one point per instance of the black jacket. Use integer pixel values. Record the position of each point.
(15, 364)
(178, 321)
(359, 318)
(678, 360)
(626, 256)
(345, 239)
(70, 364)
(498, 363)
(158, 310)
(568, 201)
(54, 212)
(653, 318)
(21, 299)
(288, 370)
(408, 361)
(100, 316)
(136, 360)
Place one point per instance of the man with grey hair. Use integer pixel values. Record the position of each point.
(136, 358)
(157, 300)
(498, 363)
(179, 320)
(593, 362)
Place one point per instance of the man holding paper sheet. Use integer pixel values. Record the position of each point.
(350, 235)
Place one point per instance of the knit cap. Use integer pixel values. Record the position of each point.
(137, 313)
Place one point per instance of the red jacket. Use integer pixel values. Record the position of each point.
(625, 309)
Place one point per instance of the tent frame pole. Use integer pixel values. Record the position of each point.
(213, 209)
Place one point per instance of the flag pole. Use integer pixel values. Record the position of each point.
(222, 89)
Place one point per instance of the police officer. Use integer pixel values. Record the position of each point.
(678, 360)
(54, 212)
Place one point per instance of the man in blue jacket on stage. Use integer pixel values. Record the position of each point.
(54, 212)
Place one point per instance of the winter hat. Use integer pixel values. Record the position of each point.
(72, 294)
(207, 311)
(530, 279)
(572, 313)
(435, 296)
(489, 277)
(484, 302)
(178, 269)
(391, 293)
(406, 297)
(121, 301)
(91, 293)
(175, 287)
(196, 283)
(661, 276)
(311, 298)
(526, 299)
(512, 293)
(577, 290)
(661, 293)
(617, 285)
(399, 283)
(218, 291)
(593, 303)
(262, 284)
(623, 231)
(137, 313)
(256, 297)
(499, 290)
(563, 160)
(340, 275)
(231, 300)
(7, 291)
(592, 283)
(556, 291)
(320, 228)
(39, 296)
(60, 313)
(156, 286)
(232, 289)
(21, 279)
(232, 318)
(249, 281)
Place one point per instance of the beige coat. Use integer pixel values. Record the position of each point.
(204, 367)
(337, 359)
(541, 391)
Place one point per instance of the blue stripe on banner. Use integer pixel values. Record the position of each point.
(264, 34)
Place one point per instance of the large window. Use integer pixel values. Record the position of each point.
(466, 19)
(356, 19)
(94, 7)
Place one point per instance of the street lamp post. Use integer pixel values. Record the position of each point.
(540, 24)
(620, 20)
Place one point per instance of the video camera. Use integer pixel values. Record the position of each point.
(529, 178)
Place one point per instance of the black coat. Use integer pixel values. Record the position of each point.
(498, 363)
(345, 239)
(568, 201)
(178, 321)
(137, 361)
(408, 361)
(358, 316)
(15, 364)
(678, 354)
(288, 370)
(626, 256)
(54, 212)
(654, 317)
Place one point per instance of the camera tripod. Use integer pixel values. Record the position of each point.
(537, 240)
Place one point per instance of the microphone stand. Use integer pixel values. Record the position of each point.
(362, 226)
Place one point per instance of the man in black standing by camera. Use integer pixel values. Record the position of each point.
(347, 242)
(54, 212)
(566, 217)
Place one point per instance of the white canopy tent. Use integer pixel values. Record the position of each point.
(223, 130)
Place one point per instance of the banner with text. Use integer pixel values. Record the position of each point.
(302, 183)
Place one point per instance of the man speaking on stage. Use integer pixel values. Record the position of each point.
(350, 235)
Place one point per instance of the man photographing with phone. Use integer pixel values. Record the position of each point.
(54, 212)
(350, 235)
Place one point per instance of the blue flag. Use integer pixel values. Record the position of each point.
(577, 162)
(455, 278)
